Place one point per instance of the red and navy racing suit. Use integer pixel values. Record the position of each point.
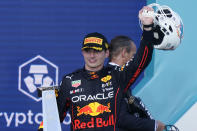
(133, 109)
(94, 98)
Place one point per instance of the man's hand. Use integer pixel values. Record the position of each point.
(160, 125)
(146, 17)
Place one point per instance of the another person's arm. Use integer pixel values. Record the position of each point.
(130, 73)
(131, 122)
(63, 102)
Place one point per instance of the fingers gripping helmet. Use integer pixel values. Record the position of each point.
(171, 128)
(168, 27)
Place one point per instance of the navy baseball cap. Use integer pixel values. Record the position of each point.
(95, 41)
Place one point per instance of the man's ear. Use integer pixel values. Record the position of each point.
(106, 53)
(123, 53)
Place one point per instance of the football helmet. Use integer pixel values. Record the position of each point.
(168, 27)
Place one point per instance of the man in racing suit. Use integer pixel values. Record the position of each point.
(93, 95)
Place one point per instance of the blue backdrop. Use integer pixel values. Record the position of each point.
(40, 41)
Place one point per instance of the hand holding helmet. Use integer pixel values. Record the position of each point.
(168, 27)
(144, 17)
(162, 127)
(171, 128)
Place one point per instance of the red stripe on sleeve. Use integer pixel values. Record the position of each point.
(115, 109)
(139, 69)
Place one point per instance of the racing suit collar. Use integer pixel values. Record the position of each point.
(92, 74)
(113, 64)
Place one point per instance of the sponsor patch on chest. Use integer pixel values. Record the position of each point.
(76, 83)
(99, 96)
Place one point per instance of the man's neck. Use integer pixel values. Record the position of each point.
(93, 69)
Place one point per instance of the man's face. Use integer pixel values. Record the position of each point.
(94, 60)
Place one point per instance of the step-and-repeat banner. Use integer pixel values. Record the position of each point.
(40, 41)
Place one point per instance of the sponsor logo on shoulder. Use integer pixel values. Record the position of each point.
(106, 78)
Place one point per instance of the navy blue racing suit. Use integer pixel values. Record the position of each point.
(94, 98)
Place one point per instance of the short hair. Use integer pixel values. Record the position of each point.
(117, 44)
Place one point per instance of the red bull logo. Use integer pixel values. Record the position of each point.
(93, 109)
(106, 78)
(84, 110)
(94, 122)
(102, 108)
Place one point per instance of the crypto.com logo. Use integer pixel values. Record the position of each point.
(35, 73)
